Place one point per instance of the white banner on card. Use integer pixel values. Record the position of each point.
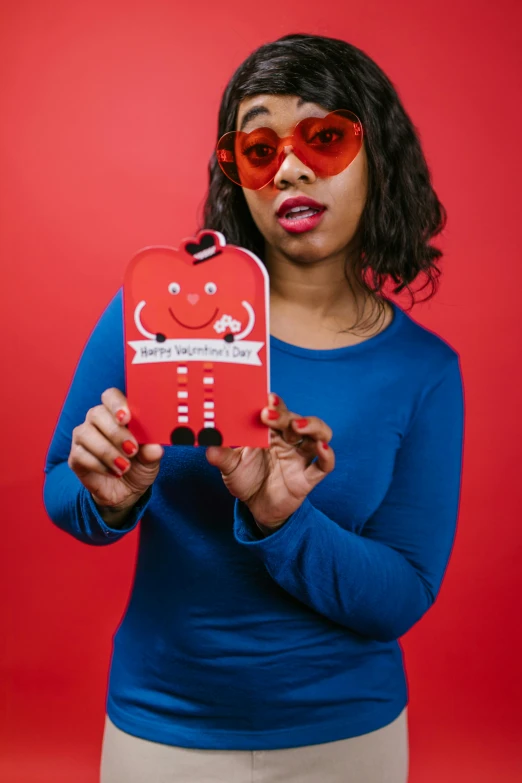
(196, 350)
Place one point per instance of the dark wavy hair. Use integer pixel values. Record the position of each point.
(402, 212)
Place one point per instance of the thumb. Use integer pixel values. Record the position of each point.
(224, 458)
(149, 453)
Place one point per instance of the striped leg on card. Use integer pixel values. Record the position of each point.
(209, 435)
(182, 435)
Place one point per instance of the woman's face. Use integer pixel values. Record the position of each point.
(342, 195)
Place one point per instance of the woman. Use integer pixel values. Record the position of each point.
(261, 638)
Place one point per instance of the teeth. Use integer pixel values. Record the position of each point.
(293, 213)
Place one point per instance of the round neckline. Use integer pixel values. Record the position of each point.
(339, 353)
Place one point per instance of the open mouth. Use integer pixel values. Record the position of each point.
(299, 220)
(298, 213)
(199, 326)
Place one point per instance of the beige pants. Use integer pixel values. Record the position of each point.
(381, 756)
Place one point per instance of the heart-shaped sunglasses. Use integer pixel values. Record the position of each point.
(327, 145)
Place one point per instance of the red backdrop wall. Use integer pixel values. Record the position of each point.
(109, 118)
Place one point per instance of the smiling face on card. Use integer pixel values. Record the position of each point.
(187, 299)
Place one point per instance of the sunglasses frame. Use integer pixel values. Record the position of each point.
(225, 148)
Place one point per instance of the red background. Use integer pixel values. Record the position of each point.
(108, 119)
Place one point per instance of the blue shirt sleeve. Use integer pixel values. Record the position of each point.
(380, 583)
(68, 503)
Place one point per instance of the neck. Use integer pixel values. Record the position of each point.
(316, 292)
(312, 303)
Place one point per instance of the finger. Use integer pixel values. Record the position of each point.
(324, 463)
(277, 417)
(275, 401)
(224, 458)
(312, 427)
(150, 453)
(281, 423)
(122, 439)
(82, 462)
(92, 440)
(116, 403)
(120, 436)
(273, 411)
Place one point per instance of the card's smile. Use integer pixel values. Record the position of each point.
(199, 326)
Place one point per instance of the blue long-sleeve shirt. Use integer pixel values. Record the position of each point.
(236, 641)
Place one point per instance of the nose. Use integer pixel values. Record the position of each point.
(292, 169)
(193, 298)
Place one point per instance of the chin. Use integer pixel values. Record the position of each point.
(307, 248)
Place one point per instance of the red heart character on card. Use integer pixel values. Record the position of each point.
(197, 344)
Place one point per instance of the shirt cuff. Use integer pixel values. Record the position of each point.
(247, 532)
(131, 521)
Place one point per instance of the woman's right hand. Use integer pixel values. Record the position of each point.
(108, 460)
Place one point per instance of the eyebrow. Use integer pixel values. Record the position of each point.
(257, 110)
(250, 115)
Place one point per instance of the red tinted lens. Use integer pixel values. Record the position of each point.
(328, 144)
(249, 159)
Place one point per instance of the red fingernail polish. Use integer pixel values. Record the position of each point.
(273, 415)
(301, 423)
(275, 399)
(121, 463)
(325, 445)
(128, 447)
(120, 415)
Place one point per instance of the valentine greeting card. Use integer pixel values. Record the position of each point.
(197, 344)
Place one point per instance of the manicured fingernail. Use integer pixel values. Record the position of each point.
(325, 445)
(301, 423)
(121, 463)
(120, 415)
(128, 447)
(275, 399)
(273, 415)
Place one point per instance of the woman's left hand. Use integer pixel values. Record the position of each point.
(273, 482)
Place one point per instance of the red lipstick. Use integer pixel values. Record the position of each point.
(300, 214)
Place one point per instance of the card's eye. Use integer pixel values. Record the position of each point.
(174, 288)
(210, 288)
